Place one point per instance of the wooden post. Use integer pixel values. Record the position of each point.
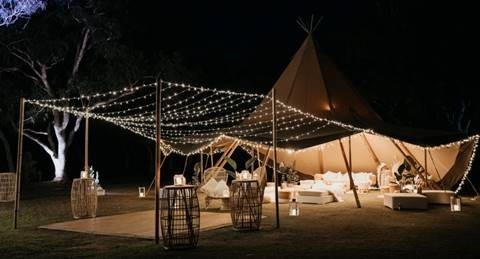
(349, 171)
(211, 155)
(274, 144)
(370, 149)
(85, 165)
(19, 162)
(201, 166)
(426, 166)
(158, 158)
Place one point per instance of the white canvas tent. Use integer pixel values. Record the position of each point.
(313, 84)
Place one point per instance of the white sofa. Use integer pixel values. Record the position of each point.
(362, 180)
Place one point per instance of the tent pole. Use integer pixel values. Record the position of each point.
(473, 186)
(374, 156)
(158, 158)
(274, 143)
(349, 169)
(211, 155)
(19, 162)
(85, 165)
(425, 159)
(153, 181)
(201, 166)
(185, 165)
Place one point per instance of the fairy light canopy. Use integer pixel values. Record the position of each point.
(195, 117)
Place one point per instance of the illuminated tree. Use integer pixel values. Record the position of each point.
(13, 10)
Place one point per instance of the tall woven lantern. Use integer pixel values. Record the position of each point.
(246, 205)
(179, 217)
(7, 187)
(84, 198)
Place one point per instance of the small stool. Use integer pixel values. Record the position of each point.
(83, 197)
(245, 204)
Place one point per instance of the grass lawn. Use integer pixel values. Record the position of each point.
(333, 230)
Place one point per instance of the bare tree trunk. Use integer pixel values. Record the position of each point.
(8, 151)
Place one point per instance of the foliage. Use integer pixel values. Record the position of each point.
(94, 175)
(405, 175)
(288, 173)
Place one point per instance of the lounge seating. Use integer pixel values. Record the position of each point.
(362, 180)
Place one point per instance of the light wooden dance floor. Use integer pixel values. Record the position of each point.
(137, 224)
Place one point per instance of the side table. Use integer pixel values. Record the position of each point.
(179, 216)
(245, 204)
(83, 198)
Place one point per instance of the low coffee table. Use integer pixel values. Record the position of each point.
(402, 201)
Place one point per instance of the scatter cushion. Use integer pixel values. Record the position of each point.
(209, 186)
(219, 188)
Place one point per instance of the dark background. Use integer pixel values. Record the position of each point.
(412, 60)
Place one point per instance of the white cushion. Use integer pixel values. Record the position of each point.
(209, 186)
(221, 186)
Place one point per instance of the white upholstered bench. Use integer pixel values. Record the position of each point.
(313, 196)
(405, 201)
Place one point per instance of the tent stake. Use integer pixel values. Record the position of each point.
(19, 162)
(158, 158)
(274, 143)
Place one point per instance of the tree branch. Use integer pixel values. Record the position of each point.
(36, 140)
(37, 132)
(75, 129)
(81, 48)
(65, 120)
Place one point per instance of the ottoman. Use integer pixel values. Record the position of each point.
(312, 196)
(438, 196)
(405, 201)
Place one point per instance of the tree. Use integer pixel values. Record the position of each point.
(50, 53)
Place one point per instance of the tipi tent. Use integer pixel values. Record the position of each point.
(312, 83)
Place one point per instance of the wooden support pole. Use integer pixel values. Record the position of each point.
(349, 170)
(158, 158)
(201, 166)
(86, 141)
(274, 144)
(19, 162)
(426, 165)
(370, 149)
(211, 155)
(227, 152)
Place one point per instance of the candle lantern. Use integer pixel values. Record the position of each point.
(293, 208)
(84, 175)
(455, 203)
(141, 192)
(245, 175)
(179, 179)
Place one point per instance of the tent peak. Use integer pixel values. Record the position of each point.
(311, 26)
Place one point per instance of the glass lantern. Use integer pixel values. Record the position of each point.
(455, 203)
(84, 174)
(245, 175)
(179, 179)
(141, 192)
(293, 208)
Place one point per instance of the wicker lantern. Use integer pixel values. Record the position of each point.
(7, 187)
(455, 203)
(179, 217)
(84, 198)
(245, 204)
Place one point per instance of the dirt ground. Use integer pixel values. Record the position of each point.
(334, 230)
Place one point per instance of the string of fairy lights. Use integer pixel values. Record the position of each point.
(194, 116)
